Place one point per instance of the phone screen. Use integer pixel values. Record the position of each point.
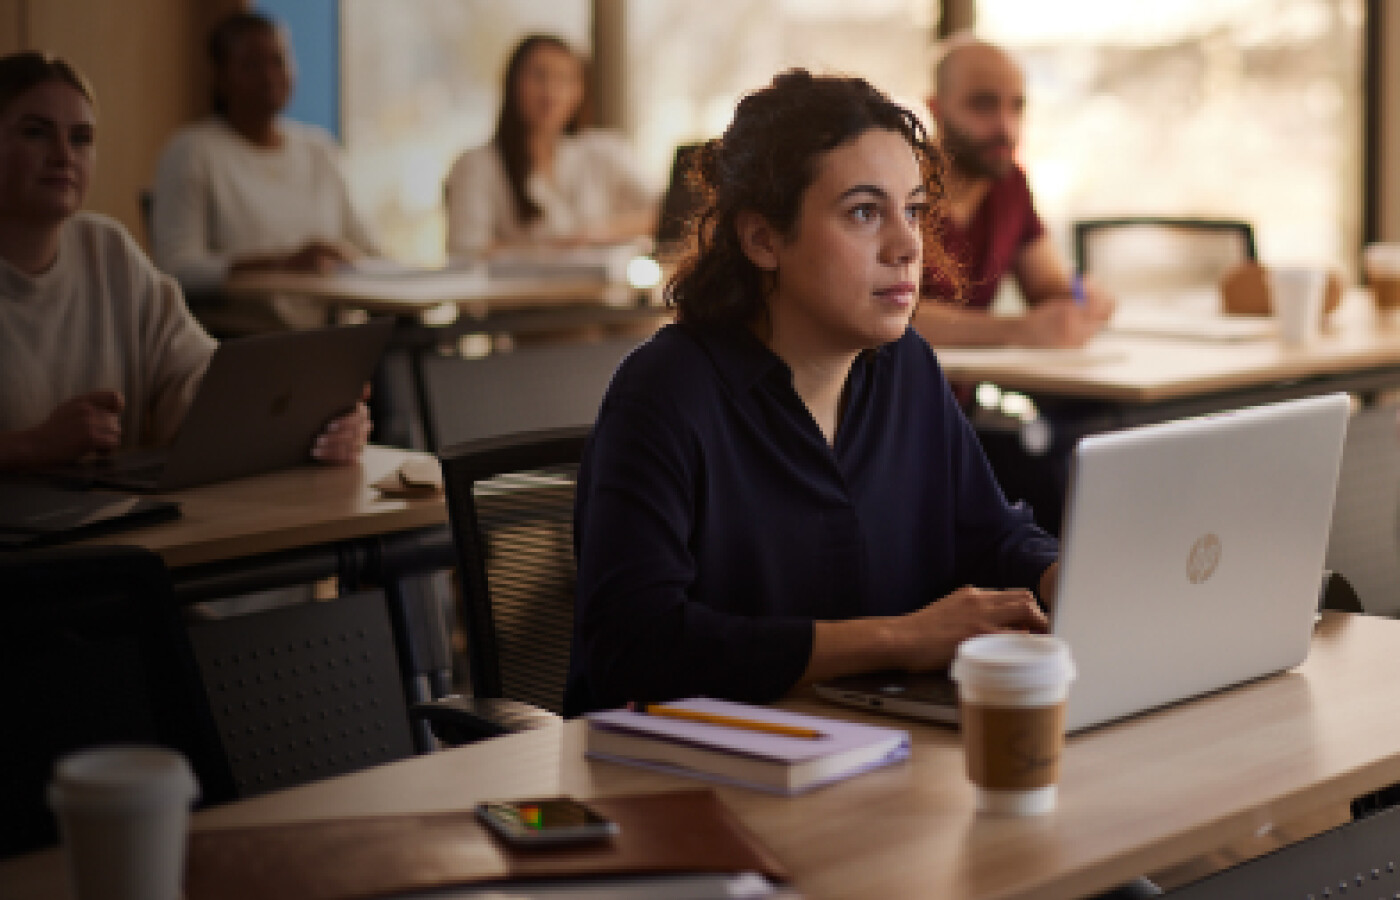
(545, 815)
(552, 820)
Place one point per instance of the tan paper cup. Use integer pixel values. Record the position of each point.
(123, 813)
(1012, 690)
(1382, 265)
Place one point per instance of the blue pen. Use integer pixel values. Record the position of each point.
(1076, 289)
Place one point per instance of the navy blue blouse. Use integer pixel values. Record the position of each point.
(714, 523)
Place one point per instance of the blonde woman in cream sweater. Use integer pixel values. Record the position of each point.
(97, 349)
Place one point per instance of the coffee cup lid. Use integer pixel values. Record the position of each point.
(1013, 661)
(124, 775)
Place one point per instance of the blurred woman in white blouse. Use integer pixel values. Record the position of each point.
(542, 179)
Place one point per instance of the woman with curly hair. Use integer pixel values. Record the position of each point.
(780, 487)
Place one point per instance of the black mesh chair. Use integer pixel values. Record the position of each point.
(304, 692)
(524, 390)
(511, 501)
(1144, 255)
(92, 651)
(309, 691)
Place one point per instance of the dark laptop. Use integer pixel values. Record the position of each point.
(260, 406)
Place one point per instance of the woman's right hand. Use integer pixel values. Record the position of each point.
(922, 640)
(932, 634)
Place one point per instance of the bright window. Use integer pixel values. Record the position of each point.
(422, 82)
(689, 62)
(1247, 109)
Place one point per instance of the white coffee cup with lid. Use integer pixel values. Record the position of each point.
(1012, 690)
(123, 812)
(1298, 295)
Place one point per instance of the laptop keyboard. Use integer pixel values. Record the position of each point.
(931, 687)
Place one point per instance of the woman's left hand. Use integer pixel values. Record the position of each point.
(344, 437)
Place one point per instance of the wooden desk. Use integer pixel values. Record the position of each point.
(1135, 797)
(304, 506)
(311, 522)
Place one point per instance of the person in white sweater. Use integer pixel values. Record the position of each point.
(97, 349)
(246, 189)
(542, 179)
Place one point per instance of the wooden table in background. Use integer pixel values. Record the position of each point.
(1131, 370)
(1136, 796)
(1120, 381)
(433, 310)
(412, 292)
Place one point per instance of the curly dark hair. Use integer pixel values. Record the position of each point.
(512, 136)
(764, 163)
(21, 71)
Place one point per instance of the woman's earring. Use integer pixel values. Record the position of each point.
(770, 281)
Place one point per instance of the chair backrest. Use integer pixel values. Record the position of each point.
(511, 504)
(1145, 255)
(681, 201)
(92, 651)
(305, 692)
(555, 386)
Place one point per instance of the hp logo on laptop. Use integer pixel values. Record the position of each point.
(1204, 558)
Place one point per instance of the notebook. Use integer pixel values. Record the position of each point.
(1192, 555)
(260, 405)
(768, 762)
(670, 833)
(33, 514)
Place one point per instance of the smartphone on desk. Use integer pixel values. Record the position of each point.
(545, 823)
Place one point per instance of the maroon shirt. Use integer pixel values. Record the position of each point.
(1003, 224)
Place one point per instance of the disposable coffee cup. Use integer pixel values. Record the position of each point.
(1012, 690)
(1382, 265)
(123, 813)
(1298, 295)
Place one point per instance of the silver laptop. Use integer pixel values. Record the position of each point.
(1191, 561)
(259, 407)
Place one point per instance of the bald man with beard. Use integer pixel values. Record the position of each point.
(993, 228)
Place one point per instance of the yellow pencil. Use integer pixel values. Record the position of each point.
(690, 715)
